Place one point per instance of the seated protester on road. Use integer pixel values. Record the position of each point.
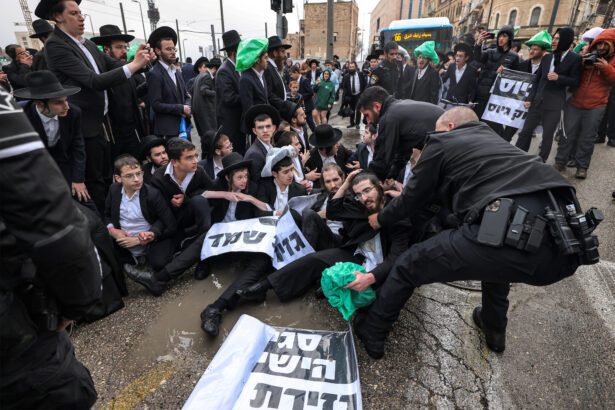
(221, 147)
(322, 232)
(364, 154)
(426, 81)
(286, 138)
(138, 218)
(234, 178)
(466, 167)
(154, 153)
(359, 196)
(263, 120)
(402, 126)
(277, 185)
(327, 149)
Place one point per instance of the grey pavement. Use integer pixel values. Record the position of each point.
(560, 341)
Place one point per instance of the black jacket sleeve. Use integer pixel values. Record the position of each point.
(165, 224)
(77, 147)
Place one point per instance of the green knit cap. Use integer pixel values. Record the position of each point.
(579, 46)
(542, 39)
(249, 51)
(428, 50)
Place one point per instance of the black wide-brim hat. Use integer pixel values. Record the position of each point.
(325, 136)
(43, 85)
(214, 141)
(147, 143)
(288, 109)
(41, 28)
(162, 32)
(466, 49)
(214, 62)
(44, 7)
(230, 39)
(276, 42)
(259, 109)
(198, 62)
(314, 61)
(110, 32)
(232, 161)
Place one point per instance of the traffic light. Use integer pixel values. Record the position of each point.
(287, 6)
(276, 5)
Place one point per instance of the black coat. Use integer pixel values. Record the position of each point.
(16, 73)
(147, 172)
(275, 86)
(491, 59)
(39, 61)
(465, 90)
(307, 93)
(124, 109)
(244, 210)
(69, 151)
(552, 94)
(153, 207)
(200, 183)
(467, 168)
(342, 157)
(346, 85)
(387, 75)
(252, 92)
(167, 100)
(208, 165)
(427, 88)
(228, 101)
(204, 103)
(403, 125)
(361, 155)
(73, 68)
(318, 72)
(268, 193)
(406, 81)
(305, 145)
(257, 154)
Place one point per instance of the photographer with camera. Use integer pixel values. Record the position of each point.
(588, 104)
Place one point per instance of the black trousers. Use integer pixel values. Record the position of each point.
(455, 254)
(308, 118)
(550, 121)
(317, 232)
(47, 376)
(607, 126)
(297, 277)
(480, 108)
(125, 143)
(159, 253)
(97, 169)
(355, 119)
(194, 217)
(509, 133)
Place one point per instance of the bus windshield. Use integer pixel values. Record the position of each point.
(411, 38)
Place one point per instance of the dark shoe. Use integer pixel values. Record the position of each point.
(611, 143)
(147, 279)
(374, 348)
(350, 126)
(559, 167)
(210, 320)
(256, 292)
(357, 126)
(571, 163)
(496, 341)
(581, 173)
(202, 270)
(600, 140)
(319, 294)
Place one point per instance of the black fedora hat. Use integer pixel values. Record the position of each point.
(162, 32)
(43, 85)
(466, 49)
(43, 9)
(214, 62)
(147, 143)
(314, 61)
(214, 137)
(259, 109)
(199, 62)
(288, 108)
(42, 28)
(230, 39)
(325, 136)
(232, 161)
(276, 42)
(110, 32)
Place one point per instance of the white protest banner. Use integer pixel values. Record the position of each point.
(300, 203)
(508, 94)
(262, 367)
(290, 244)
(249, 235)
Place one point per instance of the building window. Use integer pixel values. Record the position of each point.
(535, 17)
(512, 18)
(497, 20)
(378, 24)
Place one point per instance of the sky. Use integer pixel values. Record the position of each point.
(248, 17)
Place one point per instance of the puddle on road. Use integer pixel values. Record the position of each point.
(178, 327)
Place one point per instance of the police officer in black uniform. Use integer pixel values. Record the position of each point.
(486, 183)
(388, 72)
(49, 274)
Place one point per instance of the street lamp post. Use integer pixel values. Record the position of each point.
(142, 20)
(184, 46)
(91, 25)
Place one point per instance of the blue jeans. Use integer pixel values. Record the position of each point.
(581, 127)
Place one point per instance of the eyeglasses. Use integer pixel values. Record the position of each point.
(169, 49)
(120, 47)
(365, 192)
(24, 53)
(138, 174)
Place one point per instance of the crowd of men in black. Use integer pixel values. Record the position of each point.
(428, 195)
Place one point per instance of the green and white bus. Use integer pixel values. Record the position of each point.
(412, 33)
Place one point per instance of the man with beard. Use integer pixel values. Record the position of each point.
(296, 117)
(358, 197)
(389, 71)
(204, 102)
(276, 90)
(426, 82)
(123, 108)
(353, 85)
(402, 125)
(42, 30)
(229, 110)
(166, 88)
(154, 153)
(557, 72)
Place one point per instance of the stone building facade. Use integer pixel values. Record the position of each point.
(345, 26)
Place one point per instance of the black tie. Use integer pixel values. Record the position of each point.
(352, 84)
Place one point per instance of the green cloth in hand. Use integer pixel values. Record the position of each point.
(347, 301)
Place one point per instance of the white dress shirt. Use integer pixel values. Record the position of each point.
(217, 169)
(421, 72)
(372, 251)
(170, 69)
(132, 220)
(301, 136)
(459, 73)
(552, 67)
(298, 169)
(267, 147)
(281, 199)
(407, 173)
(279, 75)
(52, 128)
(327, 160)
(313, 77)
(260, 76)
(335, 226)
(184, 185)
(355, 84)
(535, 67)
(370, 156)
(230, 212)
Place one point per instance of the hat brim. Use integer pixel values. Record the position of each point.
(26, 93)
(284, 46)
(39, 35)
(214, 141)
(259, 109)
(145, 149)
(247, 163)
(314, 61)
(102, 40)
(44, 7)
(337, 136)
(227, 46)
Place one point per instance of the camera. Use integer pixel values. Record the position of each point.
(591, 58)
(490, 36)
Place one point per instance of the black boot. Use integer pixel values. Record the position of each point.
(210, 320)
(373, 347)
(496, 341)
(256, 292)
(145, 278)
(202, 270)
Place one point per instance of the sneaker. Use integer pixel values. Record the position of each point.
(581, 173)
(496, 341)
(145, 278)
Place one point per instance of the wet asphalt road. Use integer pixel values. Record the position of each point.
(560, 347)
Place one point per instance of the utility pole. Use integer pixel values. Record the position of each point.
(153, 14)
(330, 29)
(553, 14)
(222, 16)
(279, 23)
(142, 20)
(213, 39)
(179, 44)
(123, 18)
(608, 15)
(266, 35)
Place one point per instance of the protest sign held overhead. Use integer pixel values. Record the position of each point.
(508, 94)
